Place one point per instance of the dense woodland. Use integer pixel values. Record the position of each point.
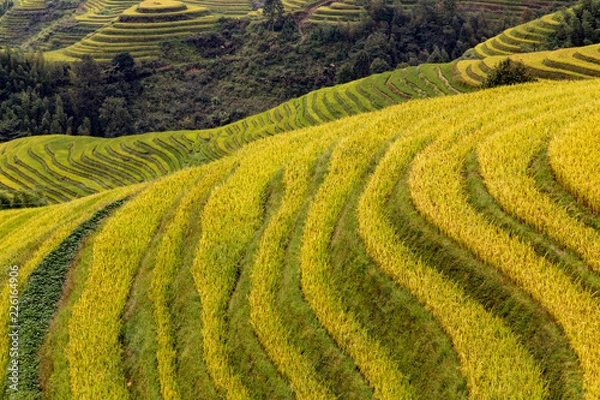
(240, 69)
(37, 97)
(580, 28)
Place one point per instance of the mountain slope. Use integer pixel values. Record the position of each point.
(61, 167)
(442, 248)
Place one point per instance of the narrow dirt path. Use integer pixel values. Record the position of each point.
(304, 15)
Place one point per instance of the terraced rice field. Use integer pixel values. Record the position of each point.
(104, 28)
(63, 168)
(139, 30)
(525, 38)
(495, 10)
(93, 15)
(230, 8)
(522, 43)
(337, 12)
(570, 63)
(442, 248)
(15, 23)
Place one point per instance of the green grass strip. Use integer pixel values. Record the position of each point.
(504, 167)
(348, 162)
(491, 357)
(541, 335)
(39, 302)
(246, 353)
(231, 216)
(437, 188)
(93, 351)
(546, 183)
(168, 259)
(334, 368)
(54, 368)
(274, 336)
(390, 313)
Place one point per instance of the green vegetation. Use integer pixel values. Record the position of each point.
(579, 26)
(21, 199)
(392, 236)
(40, 299)
(210, 70)
(63, 167)
(508, 72)
(392, 253)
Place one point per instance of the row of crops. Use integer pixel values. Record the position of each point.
(337, 12)
(14, 23)
(138, 30)
(569, 63)
(62, 168)
(523, 43)
(523, 38)
(443, 248)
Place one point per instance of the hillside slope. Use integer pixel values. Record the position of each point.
(523, 43)
(524, 38)
(443, 248)
(569, 63)
(64, 167)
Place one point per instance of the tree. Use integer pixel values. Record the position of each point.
(85, 129)
(5, 201)
(60, 117)
(122, 77)
(87, 93)
(378, 65)
(362, 65)
(46, 122)
(124, 65)
(508, 72)
(273, 10)
(115, 117)
(436, 56)
(87, 81)
(448, 10)
(344, 74)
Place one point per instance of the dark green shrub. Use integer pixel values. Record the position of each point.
(21, 199)
(508, 72)
(39, 302)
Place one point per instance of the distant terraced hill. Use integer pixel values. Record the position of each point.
(140, 158)
(522, 43)
(496, 9)
(139, 30)
(63, 168)
(525, 38)
(15, 24)
(570, 63)
(93, 15)
(443, 248)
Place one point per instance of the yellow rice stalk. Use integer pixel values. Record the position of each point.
(437, 189)
(168, 257)
(62, 220)
(230, 218)
(347, 164)
(93, 350)
(264, 315)
(574, 159)
(494, 363)
(504, 167)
